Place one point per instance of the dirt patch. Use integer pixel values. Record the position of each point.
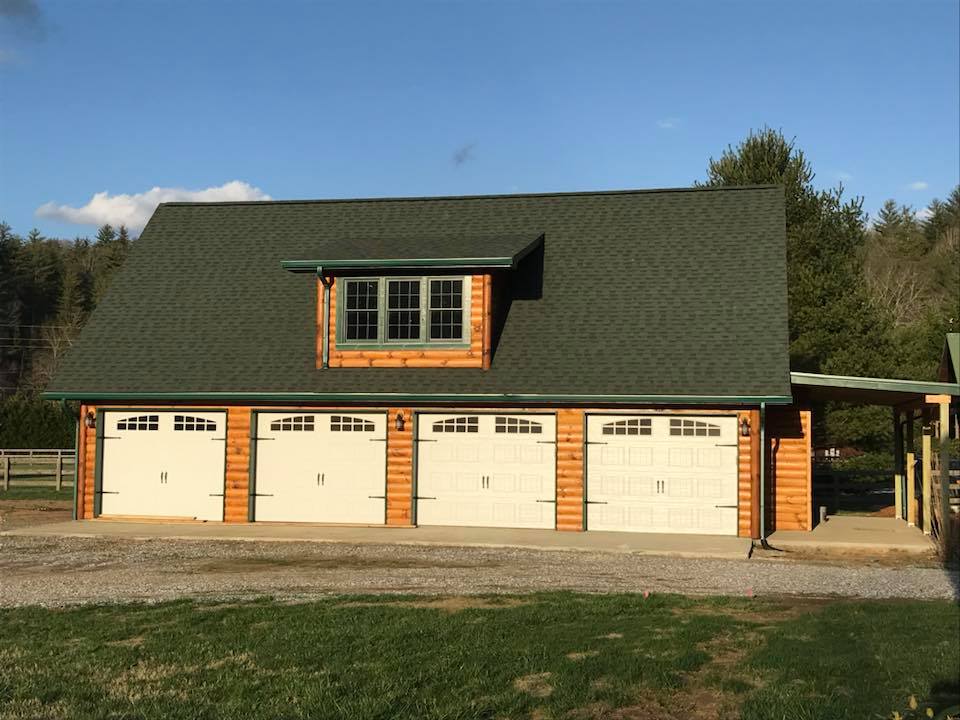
(24, 513)
(850, 557)
(535, 685)
(453, 604)
(133, 642)
(578, 656)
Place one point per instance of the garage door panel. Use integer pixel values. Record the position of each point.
(321, 467)
(507, 463)
(689, 468)
(163, 464)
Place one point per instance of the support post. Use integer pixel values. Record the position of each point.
(944, 472)
(927, 472)
(59, 470)
(911, 479)
(897, 465)
(756, 457)
(6, 471)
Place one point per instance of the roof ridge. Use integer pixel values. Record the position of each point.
(495, 196)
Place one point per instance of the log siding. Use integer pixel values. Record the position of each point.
(476, 355)
(790, 499)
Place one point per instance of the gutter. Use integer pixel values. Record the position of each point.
(420, 398)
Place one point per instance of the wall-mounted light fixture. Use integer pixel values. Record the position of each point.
(745, 427)
(399, 422)
(90, 420)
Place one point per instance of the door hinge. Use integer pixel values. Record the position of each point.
(597, 502)
(106, 492)
(546, 442)
(377, 497)
(223, 438)
(109, 437)
(262, 439)
(263, 494)
(216, 494)
(423, 497)
(596, 442)
(547, 501)
(427, 440)
(726, 445)
(725, 506)
(377, 439)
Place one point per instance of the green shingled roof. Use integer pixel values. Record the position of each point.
(485, 251)
(674, 294)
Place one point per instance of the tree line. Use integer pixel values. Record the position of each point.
(48, 288)
(865, 298)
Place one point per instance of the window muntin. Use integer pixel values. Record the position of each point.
(514, 425)
(188, 423)
(294, 423)
(693, 428)
(361, 316)
(466, 424)
(446, 309)
(629, 426)
(345, 423)
(403, 309)
(139, 422)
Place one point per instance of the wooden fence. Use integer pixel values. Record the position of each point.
(37, 468)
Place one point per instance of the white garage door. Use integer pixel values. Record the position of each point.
(662, 473)
(486, 470)
(321, 467)
(163, 464)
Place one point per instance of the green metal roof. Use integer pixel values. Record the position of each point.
(676, 295)
(879, 391)
(950, 362)
(503, 251)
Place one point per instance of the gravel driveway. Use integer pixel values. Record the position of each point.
(70, 570)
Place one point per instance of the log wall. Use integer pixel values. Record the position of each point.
(792, 488)
(477, 355)
(789, 470)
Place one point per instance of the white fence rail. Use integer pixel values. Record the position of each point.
(37, 468)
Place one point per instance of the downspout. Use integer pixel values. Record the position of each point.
(325, 347)
(763, 477)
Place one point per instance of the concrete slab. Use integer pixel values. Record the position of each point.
(853, 532)
(696, 546)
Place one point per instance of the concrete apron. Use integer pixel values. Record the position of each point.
(696, 546)
(853, 532)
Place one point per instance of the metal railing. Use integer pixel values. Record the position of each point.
(37, 468)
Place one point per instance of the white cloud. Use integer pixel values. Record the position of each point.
(668, 123)
(918, 185)
(134, 210)
(844, 176)
(923, 214)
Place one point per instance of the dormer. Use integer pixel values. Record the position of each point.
(427, 303)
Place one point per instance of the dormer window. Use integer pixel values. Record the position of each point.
(404, 311)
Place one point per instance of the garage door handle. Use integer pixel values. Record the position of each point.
(724, 506)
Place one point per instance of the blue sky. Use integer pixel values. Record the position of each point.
(307, 99)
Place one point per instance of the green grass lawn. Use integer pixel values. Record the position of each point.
(539, 656)
(37, 493)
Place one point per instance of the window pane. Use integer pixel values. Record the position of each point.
(446, 309)
(361, 314)
(403, 305)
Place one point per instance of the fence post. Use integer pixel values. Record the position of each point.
(911, 480)
(6, 471)
(59, 470)
(927, 484)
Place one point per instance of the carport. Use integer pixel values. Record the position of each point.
(921, 499)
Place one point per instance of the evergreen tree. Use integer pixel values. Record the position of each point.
(834, 325)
